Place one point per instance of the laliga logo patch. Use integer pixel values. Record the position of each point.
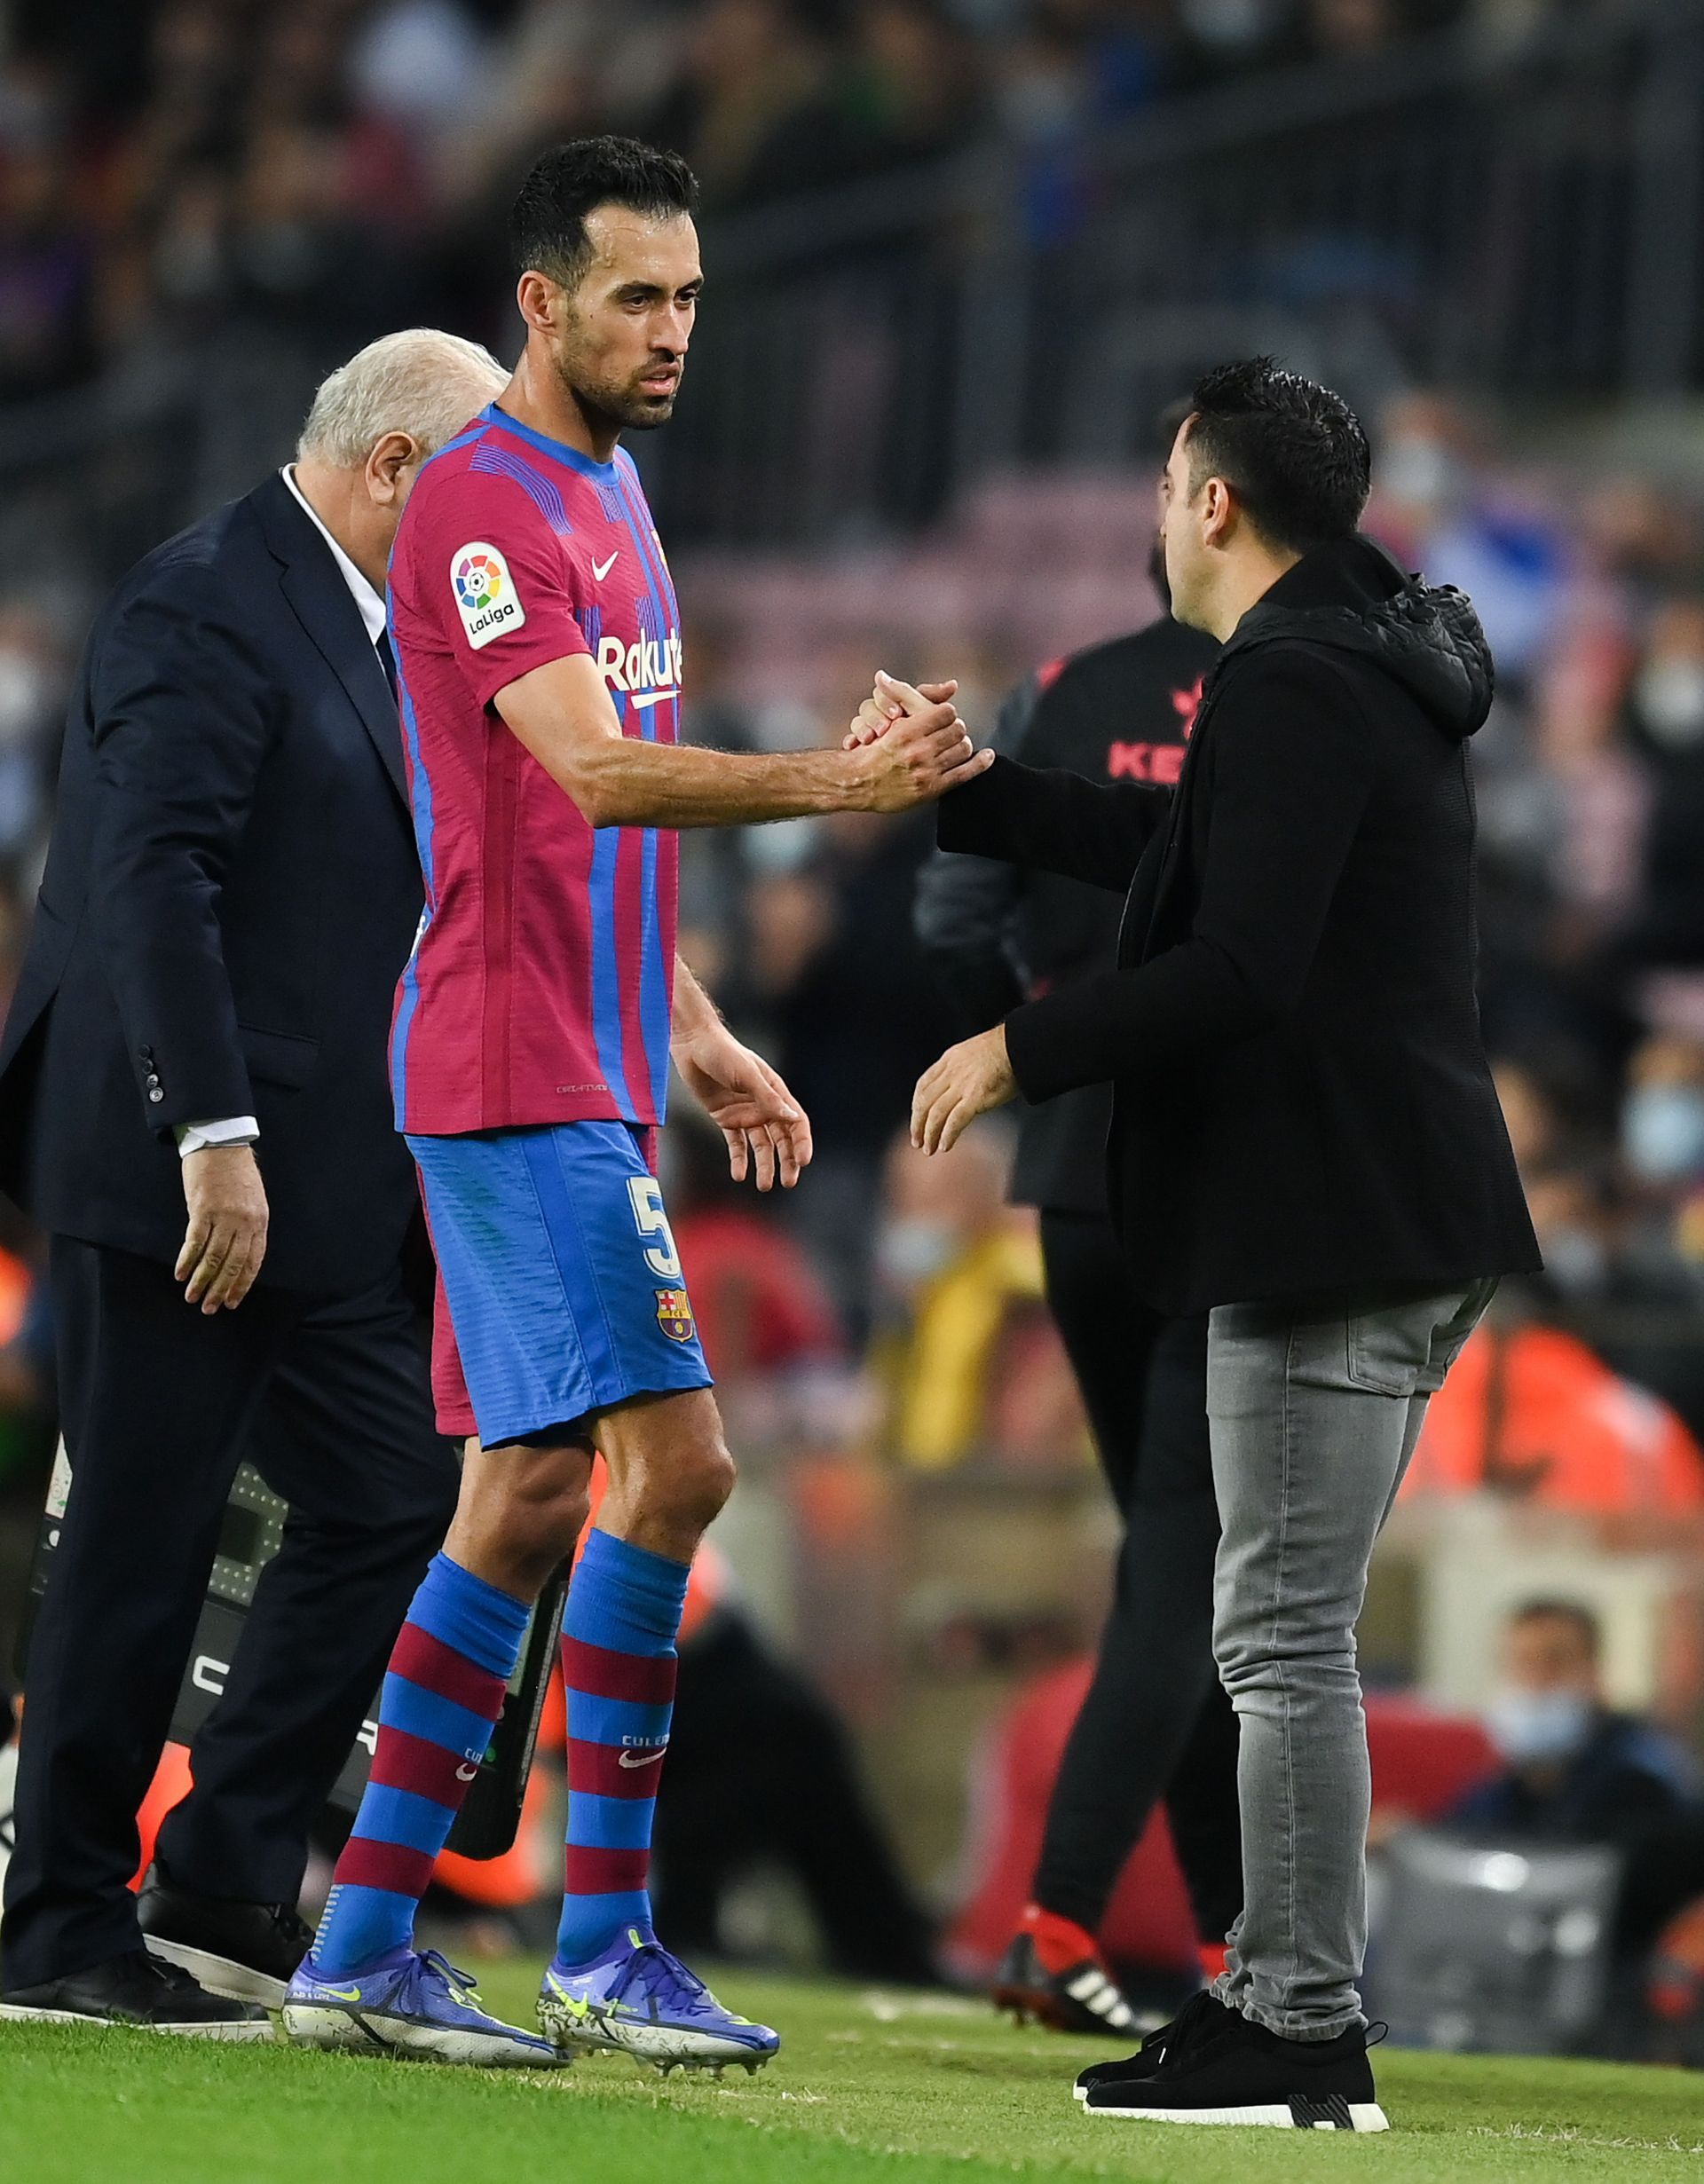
(675, 1314)
(486, 597)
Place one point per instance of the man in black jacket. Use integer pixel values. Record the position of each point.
(1156, 1722)
(193, 1102)
(1305, 1143)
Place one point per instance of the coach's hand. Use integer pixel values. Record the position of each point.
(768, 1131)
(968, 1080)
(225, 1239)
(919, 751)
(878, 711)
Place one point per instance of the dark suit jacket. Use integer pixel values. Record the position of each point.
(1302, 1102)
(1119, 711)
(231, 893)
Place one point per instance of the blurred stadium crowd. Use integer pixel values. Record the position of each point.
(329, 170)
(339, 164)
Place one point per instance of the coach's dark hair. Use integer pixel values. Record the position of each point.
(547, 227)
(1292, 451)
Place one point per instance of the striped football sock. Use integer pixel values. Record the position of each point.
(618, 1659)
(441, 1692)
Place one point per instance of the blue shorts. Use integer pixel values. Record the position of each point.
(559, 1289)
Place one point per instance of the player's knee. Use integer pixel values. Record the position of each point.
(542, 1513)
(698, 1484)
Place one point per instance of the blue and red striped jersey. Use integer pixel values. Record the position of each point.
(541, 985)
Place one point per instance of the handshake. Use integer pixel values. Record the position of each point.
(909, 746)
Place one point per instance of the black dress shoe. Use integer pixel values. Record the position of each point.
(136, 1990)
(1199, 2016)
(1236, 2073)
(248, 1952)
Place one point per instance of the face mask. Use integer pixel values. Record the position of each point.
(1662, 1133)
(1575, 1260)
(914, 1249)
(1669, 695)
(1418, 470)
(1531, 1726)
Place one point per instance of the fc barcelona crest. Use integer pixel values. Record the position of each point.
(675, 1314)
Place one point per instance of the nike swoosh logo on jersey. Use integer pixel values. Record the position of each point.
(640, 699)
(600, 573)
(641, 1759)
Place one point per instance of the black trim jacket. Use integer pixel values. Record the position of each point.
(1302, 1102)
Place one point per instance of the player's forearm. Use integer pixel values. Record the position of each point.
(693, 1009)
(624, 782)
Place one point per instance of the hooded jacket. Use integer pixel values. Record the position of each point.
(1302, 1104)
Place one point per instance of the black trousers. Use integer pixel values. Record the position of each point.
(1155, 1722)
(159, 1404)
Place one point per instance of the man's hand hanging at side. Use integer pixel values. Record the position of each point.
(225, 1239)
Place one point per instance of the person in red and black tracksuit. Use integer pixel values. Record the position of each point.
(1155, 1723)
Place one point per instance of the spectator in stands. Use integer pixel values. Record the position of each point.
(1574, 1769)
(1665, 719)
(969, 1357)
(750, 69)
(1530, 1412)
(1448, 509)
(44, 275)
(761, 1308)
(855, 1010)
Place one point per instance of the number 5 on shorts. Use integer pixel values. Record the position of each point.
(650, 1219)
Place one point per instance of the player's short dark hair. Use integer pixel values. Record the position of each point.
(546, 226)
(1292, 451)
(1556, 1610)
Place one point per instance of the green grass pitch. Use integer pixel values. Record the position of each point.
(868, 2089)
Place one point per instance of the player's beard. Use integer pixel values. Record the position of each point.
(620, 404)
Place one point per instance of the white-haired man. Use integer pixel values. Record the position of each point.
(193, 1103)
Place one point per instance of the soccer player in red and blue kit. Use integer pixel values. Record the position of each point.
(537, 650)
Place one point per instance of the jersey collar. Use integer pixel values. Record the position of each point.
(604, 473)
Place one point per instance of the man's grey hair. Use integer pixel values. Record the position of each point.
(420, 382)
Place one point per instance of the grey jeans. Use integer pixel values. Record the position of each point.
(1313, 1414)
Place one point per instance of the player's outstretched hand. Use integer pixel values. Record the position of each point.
(922, 751)
(878, 711)
(768, 1132)
(968, 1080)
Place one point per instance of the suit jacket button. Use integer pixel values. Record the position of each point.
(156, 1095)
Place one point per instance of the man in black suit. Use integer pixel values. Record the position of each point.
(1306, 1144)
(193, 1103)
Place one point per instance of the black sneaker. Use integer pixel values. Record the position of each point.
(1200, 2010)
(1082, 1997)
(136, 1990)
(1237, 2072)
(247, 1952)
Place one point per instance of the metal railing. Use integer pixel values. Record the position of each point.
(1528, 225)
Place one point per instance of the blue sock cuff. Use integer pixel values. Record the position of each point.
(473, 1617)
(641, 1593)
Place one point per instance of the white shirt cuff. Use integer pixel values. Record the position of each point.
(234, 1130)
